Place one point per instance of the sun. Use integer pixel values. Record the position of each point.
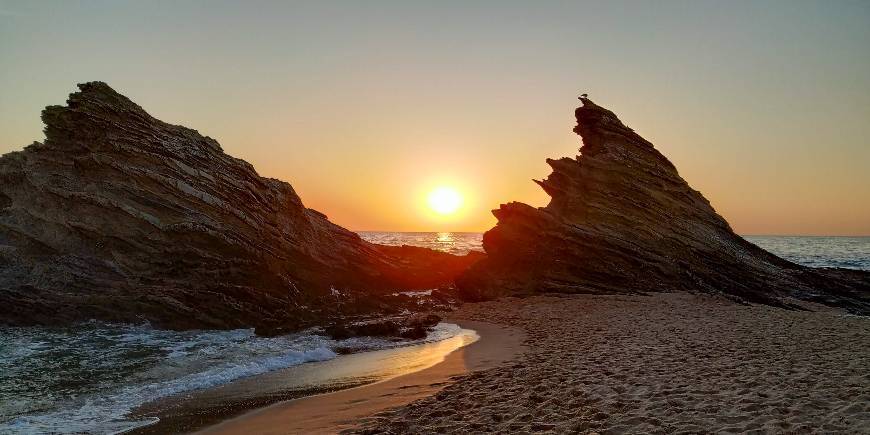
(445, 200)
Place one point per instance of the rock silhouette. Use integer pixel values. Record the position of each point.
(118, 216)
(622, 220)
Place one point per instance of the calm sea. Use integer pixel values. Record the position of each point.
(85, 379)
(813, 251)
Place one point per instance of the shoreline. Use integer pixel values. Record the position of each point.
(654, 363)
(199, 408)
(332, 412)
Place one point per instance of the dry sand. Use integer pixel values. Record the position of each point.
(333, 412)
(667, 363)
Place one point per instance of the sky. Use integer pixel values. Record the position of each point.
(366, 107)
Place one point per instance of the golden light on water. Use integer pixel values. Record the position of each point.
(444, 237)
(445, 200)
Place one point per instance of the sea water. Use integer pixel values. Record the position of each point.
(819, 251)
(87, 378)
(452, 243)
(813, 251)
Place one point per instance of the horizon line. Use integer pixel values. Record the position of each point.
(739, 234)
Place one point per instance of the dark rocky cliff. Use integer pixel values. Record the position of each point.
(621, 219)
(118, 216)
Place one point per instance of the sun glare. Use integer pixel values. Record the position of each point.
(444, 200)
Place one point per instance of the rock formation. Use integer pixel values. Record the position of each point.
(621, 219)
(118, 216)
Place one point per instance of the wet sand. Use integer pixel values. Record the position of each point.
(345, 409)
(666, 363)
(197, 409)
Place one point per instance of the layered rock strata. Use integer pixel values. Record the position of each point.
(118, 216)
(622, 220)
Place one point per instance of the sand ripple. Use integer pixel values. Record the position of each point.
(668, 363)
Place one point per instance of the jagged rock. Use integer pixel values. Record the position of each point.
(118, 216)
(374, 328)
(411, 327)
(418, 326)
(621, 219)
(423, 268)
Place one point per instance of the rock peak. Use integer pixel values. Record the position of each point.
(591, 115)
(98, 88)
(596, 123)
(97, 116)
(96, 97)
(89, 115)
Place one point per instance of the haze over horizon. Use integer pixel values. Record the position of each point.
(366, 108)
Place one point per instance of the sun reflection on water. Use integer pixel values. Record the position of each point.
(445, 241)
(457, 243)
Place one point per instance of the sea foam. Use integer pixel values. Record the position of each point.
(87, 379)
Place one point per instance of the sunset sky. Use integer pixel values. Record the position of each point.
(367, 107)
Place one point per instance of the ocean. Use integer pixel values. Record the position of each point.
(87, 378)
(819, 251)
(813, 251)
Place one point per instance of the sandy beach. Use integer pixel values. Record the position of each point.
(666, 363)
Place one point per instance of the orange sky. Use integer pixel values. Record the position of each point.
(364, 108)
